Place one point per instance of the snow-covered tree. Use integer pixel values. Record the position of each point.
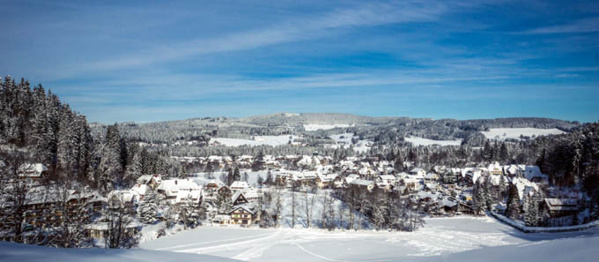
(148, 208)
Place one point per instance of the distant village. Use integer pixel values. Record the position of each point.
(232, 191)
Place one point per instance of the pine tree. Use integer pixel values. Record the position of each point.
(148, 208)
(513, 203)
(504, 155)
(134, 170)
(531, 210)
(111, 168)
(188, 214)
(480, 197)
(224, 203)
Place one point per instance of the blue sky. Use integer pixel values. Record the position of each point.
(145, 61)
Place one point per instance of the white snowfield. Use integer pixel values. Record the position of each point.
(314, 127)
(258, 141)
(442, 239)
(515, 133)
(11, 252)
(461, 239)
(419, 141)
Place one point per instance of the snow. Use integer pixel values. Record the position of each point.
(515, 133)
(459, 239)
(257, 141)
(419, 141)
(10, 252)
(314, 127)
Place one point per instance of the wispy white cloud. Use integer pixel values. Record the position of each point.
(308, 27)
(586, 25)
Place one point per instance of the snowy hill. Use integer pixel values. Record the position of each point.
(516, 133)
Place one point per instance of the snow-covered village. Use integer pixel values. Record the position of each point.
(299, 131)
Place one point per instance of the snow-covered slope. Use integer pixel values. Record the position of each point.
(443, 239)
(258, 140)
(515, 133)
(419, 141)
(461, 239)
(11, 252)
(314, 127)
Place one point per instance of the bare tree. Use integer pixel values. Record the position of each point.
(119, 225)
(278, 204)
(308, 205)
(75, 213)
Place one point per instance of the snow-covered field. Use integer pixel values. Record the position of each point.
(11, 252)
(345, 140)
(419, 141)
(257, 141)
(314, 127)
(447, 239)
(515, 133)
(460, 239)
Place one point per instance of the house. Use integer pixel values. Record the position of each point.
(222, 219)
(151, 180)
(305, 178)
(338, 182)
(32, 172)
(239, 185)
(124, 196)
(363, 184)
(431, 177)
(242, 215)
(533, 173)
(141, 190)
(323, 181)
(386, 179)
(495, 169)
(418, 172)
(560, 207)
(213, 185)
(252, 195)
(100, 230)
(239, 198)
(448, 204)
(178, 190)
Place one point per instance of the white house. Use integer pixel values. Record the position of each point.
(178, 190)
(239, 185)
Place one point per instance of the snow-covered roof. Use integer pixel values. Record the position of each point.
(125, 196)
(387, 177)
(524, 186)
(31, 170)
(416, 170)
(239, 185)
(361, 182)
(140, 189)
(557, 204)
(446, 202)
(249, 208)
(531, 172)
(181, 189)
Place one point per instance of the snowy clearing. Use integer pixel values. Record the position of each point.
(419, 141)
(345, 140)
(314, 127)
(454, 239)
(515, 133)
(257, 141)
